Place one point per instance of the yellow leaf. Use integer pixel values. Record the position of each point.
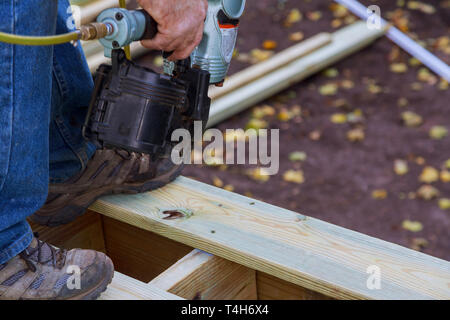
(445, 176)
(379, 194)
(347, 84)
(259, 174)
(427, 192)
(447, 164)
(438, 132)
(263, 111)
(331, 73)
(295, 176)
(399, 67)
(355, 135)
(402, 102)
(217, 182)
(425, 75)
(229, 187)
(429, 175)
(269, 44)
(256, 124)
(314, 16)
(444, 203)
(413, 226)
(373, 88)
(294, 16)
(400, 167)
(414, 62)
(297, 156)
(443, 84)
(296, 36)
(339, 118)
(329, 89)
(285, 115)
(158, 61)
(411, 119)
(259, 55)
(339, 11)
(419, 243)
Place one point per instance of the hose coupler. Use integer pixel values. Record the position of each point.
(95, 30)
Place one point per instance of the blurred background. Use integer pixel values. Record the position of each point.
(363, 144)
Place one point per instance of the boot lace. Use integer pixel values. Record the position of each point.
(43, 253)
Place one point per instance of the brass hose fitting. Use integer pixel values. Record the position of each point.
(95, 30)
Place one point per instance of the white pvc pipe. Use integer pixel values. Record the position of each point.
(402, 40)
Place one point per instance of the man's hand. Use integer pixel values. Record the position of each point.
(180, 25)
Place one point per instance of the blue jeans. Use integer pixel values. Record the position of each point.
(44, 94)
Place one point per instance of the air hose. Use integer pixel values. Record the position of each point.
(39, 41)
(88, 32)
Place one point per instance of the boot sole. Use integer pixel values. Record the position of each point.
(69, 213)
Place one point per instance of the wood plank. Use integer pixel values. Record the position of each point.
(305, 251)
(345, 42)
(123, 287)
(138, 253)
(203, 276)
(272, 288)
(86, 232)
(279, 60)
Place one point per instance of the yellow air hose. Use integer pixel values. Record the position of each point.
(39, 41)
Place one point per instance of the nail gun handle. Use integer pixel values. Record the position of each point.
(151, 26)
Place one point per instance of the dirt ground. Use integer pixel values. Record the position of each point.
(340, 176)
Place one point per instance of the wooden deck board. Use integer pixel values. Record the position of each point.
(308, 252)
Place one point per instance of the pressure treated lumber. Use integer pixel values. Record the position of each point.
(279, 60)
(123, 287)
(301, 250)
(345, 41)
(203, 276)
(139, 253)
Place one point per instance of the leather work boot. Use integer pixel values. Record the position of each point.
(108, 172)
(43, 272)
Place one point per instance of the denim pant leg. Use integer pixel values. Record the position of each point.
(72, 88)
(25, 98)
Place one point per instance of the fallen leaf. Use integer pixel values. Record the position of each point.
(294, 16)
(269, 44)
(438, 132)
(445, 176)
(328, 89)
(217, 182)
(443, 84)
(373, 88)
(158, 61)
(414, 62)
(256, 124)
(399, 67)
(314, 16)
(411, 119)
(400, 167)
(259, 55)
(331, 73)
(447, 164)
(296, 36)
(347, 84)
(413, 226)
(339, 11)
(263, 111)
(429, 175)
(339, 118)
(229, 187)
(285, 115)
(444, 203)
(379, 194)
(297, 156)
(427, 192)
(424, 7)
(295, 176)
(425, 75)
(356, 135)
(259, 174)
(418, 244)
(315, 135)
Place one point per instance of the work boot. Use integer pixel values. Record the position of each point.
(108, 172)
(43, 272)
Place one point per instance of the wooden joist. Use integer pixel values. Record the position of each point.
(300, 250)
(123, 287)
(202, 276)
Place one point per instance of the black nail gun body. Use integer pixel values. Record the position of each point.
(137, 109)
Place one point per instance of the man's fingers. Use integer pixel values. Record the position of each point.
(160, 42)
(182, 52)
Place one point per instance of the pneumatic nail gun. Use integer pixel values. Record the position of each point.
(137, 109)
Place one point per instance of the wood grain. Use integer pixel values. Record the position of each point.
(307, 252)
(86, 232)
(123, 287)
(272, 288)
(202, 276)
(138, 253)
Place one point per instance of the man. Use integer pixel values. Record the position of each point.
(44, 93)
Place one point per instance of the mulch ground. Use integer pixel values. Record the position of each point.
(340, 176)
